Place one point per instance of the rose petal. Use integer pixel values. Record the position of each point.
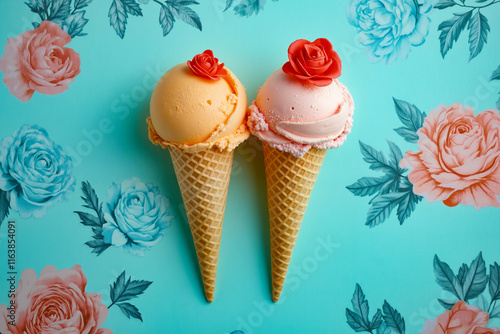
(295, 47)
(479, 196)
(321, 82)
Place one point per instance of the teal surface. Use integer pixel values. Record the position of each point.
(100, 122)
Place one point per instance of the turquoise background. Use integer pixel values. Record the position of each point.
(391, 262)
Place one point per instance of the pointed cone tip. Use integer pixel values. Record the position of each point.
(276, 295)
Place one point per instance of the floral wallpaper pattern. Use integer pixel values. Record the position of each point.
(458, 162)
(388, 29)
(133, 218)
(246, 8)
(38, 61)
(472, 19)
(460, 316)
(35, 173)
(459, 158)
(56, 302)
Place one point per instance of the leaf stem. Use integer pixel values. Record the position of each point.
(113, 303)
(478, 7)
(492, 305)
(158, 2)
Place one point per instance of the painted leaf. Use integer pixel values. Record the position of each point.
(92, 201)
(393, 319)
(407, 205)
(354, 321)
(412, 119)
(495, 313)
(382, 207)
(476, 279)
(395, 156)
(481, 1)
(133, 289)
(367, 186)
(229, 3)
(79, 4)
(185, 2)
(360, 305)
(383, 329)
(123, 290)
(375, 158)
(498, 103)
(442, 4)
(494, 282)
(4, 205)
(166, 20)
(88, 219)
(478, 34)
(392, 185)
(130, 310)
(74, 24)
(187, 15)
(446, 278)
(97, 230)
(376, 320)
(248, 7)
(132, 7)
(59, 10)
(117, 288)
(98, 246)
(35, 24)
(36, 6)
(482, 303)
(448, 303)
(462, 272)
(408, 135)
(118, 17)
(496, 74)
(451, 29)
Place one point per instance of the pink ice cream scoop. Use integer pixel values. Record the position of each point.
(294, 115)
(300, 111)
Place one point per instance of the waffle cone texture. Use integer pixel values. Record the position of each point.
(290, 181)
(203, 179)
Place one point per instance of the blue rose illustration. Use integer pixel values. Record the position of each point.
(35, 173)
(136, 215)
(389, 28)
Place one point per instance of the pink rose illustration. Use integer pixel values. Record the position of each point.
(484, 330)
(56, 302)
(461, 319)
(459, 158)
(38, 61)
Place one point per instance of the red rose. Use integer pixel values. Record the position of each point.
(207, 66)
(315, 62)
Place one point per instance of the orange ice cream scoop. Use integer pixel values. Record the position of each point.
(194, 113)
(198, 112)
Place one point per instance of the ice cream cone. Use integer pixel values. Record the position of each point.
(290, 181)
(203, 179)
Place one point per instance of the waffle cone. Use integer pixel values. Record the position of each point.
(203, 179)
(290, 181)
